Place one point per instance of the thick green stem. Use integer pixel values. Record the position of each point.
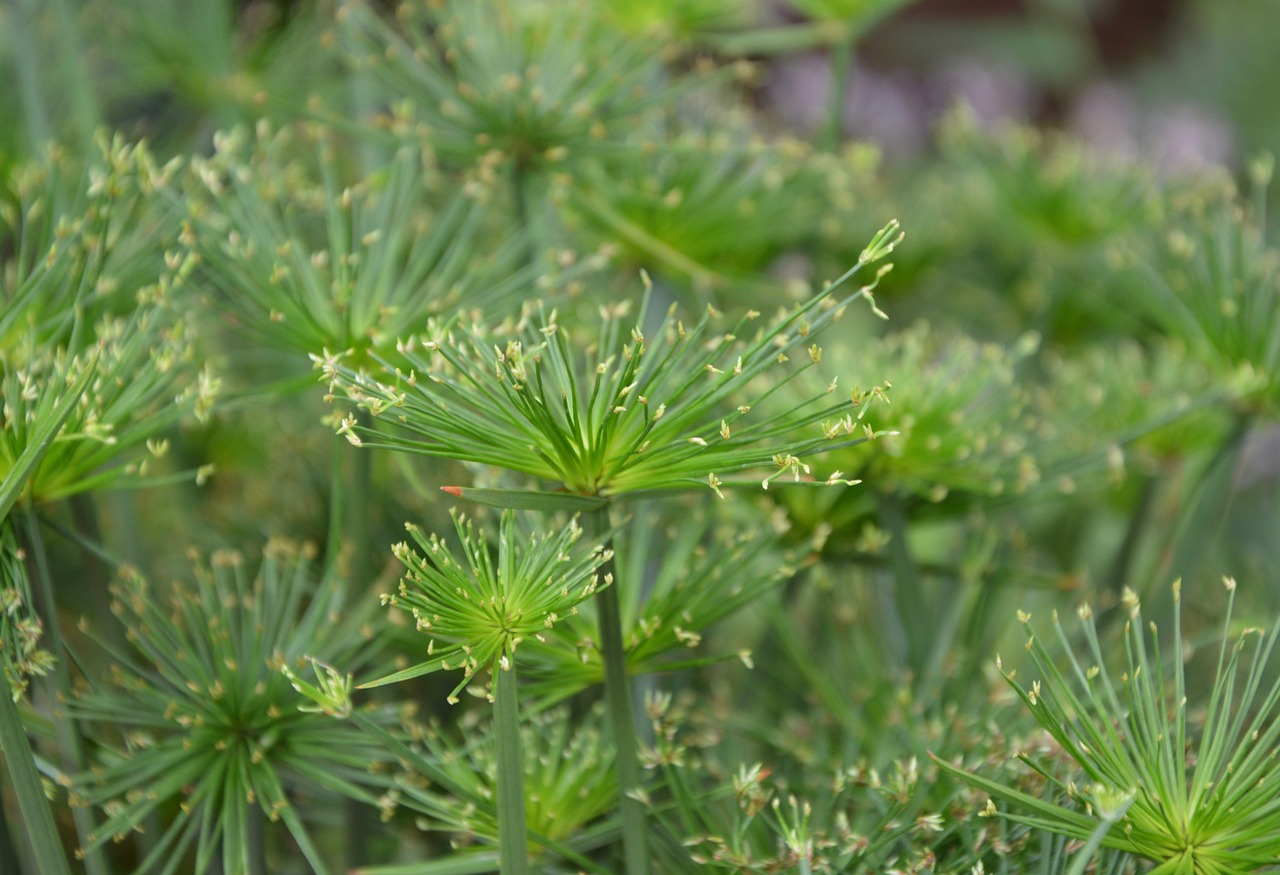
(617, 691)
(513, 835)
(69, 736)
(36, 816)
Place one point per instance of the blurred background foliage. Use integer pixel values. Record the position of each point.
(1082, 365)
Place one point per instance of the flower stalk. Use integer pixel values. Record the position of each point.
(513, 834)
(617, 691)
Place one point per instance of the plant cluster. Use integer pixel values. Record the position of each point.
(719, 492)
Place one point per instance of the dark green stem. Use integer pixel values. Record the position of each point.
(337, 495)
(96, 573)
(69, 736)
(1202, 518)
(359, 525)
(42, 832)
(513, 836)
(617, 691)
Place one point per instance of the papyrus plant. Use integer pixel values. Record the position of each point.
(676, 408)
(92, 299)
(476, 611)
(1197, 795)
(199, 712)
(499, 85)
(306, 254)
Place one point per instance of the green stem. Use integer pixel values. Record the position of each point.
(69, 737)
(353, 492)
(256, 840)
(908, 590)
(841, 62)
(337, 496)
(360, 820)
(524, 215)
(42, 832)
(97, 575)
(22, 25)
(1122, 565)
(1199, 519)
(513, 836)
(359, 525)
(617, 691)
(76, 79)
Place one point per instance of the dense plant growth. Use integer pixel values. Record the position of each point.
(487, 435)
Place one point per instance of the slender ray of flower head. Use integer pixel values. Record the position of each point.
(305, 260)
(89, 285)
(208, 719)
(480, 608)
(685, 406)
(492, 84)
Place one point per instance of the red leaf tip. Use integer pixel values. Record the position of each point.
(455, 491)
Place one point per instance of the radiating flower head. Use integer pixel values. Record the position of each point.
(479, 609)
(91, 295)
(682, 407)
(205, 716)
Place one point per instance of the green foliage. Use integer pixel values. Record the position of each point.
(91, 302)
(1194, 794)
(502, 85)
(308, 262)
(200, 713)
(444, 206)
